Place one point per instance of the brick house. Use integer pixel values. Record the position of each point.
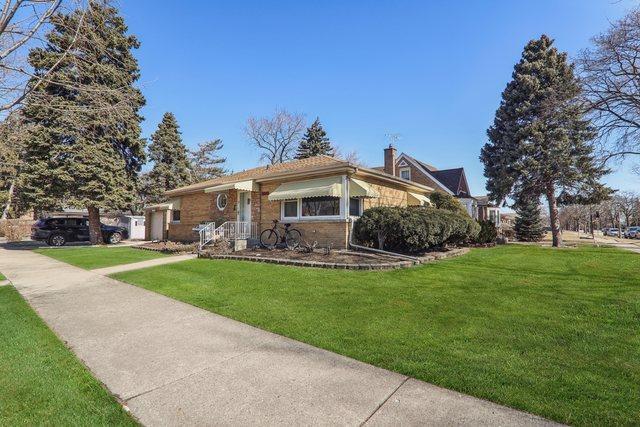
(318, 195)
(450, 181)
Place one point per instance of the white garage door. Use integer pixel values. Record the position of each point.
(157, 225)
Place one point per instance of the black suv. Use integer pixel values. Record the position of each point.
(58, 231)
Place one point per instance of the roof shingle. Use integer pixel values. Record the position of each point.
(265, 171)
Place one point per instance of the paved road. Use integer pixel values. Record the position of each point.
(627, 244)
(175, 364)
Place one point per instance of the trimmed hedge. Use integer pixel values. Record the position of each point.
(488, 232)
(413, 229)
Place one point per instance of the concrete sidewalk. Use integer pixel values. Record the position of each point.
(144, 264)
(175, 364)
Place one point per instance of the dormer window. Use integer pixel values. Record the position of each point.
(405, 173)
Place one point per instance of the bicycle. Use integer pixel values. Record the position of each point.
(271, 237)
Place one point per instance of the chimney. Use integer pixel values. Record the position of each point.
(390, 160)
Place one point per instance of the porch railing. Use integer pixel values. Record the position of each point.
(231, 230)
(238, 230)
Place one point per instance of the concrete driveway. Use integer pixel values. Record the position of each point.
(174, 364)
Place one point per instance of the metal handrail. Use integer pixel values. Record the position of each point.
(207, 233)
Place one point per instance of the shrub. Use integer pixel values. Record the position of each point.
(15, 229)
(447, 202)
(488, 232)
(413, 229)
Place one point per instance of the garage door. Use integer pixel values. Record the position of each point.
(157, 225)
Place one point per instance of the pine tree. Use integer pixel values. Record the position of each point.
(315, 142)
(205, 161)
(539, 141)
(528, 224)
(171, 167)
(84, 148)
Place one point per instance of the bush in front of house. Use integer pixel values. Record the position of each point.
(447, 202)
(488, 232)
(413, 229)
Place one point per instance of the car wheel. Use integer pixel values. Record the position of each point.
(115, 238)
(56, 240)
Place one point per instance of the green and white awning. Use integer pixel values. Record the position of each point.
(321, 187)
(359, 188)
(249, 185)
(415, 199)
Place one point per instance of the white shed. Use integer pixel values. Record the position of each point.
(134, 224)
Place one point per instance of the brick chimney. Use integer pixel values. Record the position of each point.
(390, 160)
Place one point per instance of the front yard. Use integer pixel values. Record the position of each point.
(553, 332)
(91, 258)
(41, 381)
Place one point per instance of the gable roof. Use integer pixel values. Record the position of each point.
(423, 167)
(454, 180)
(427, 166)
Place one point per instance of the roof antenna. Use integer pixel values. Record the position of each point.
(393, 138)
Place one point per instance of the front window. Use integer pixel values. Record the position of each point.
(175, 215)
(405, 173)
(321, 206)
(290, 209)
(355, 206)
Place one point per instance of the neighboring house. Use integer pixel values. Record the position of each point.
(319, 195)
(450, 181)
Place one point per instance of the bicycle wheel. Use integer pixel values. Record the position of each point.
(269, 238)
(293, 238)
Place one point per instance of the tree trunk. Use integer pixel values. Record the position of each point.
(381, 238)
(5, 211)
(95, 234)
(553, 216)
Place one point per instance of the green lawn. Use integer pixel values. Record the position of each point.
(553, 332)
(41, 381)
(99, 257)
(2, 277)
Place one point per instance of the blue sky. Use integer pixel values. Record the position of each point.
(432, 71)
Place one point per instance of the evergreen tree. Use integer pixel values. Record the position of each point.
(528, 224)
(206, 163)
(171, 167)
(539, 141)
(314, 142)
(84, 147)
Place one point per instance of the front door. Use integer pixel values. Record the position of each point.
(157, 224)
(244, 206)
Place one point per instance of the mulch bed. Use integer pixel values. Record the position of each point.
(341, 259)
(169, 247)
(318, 258)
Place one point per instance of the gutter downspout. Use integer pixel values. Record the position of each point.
(415, 260)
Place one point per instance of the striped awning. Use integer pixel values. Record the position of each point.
(160, 207)
(322, 187)
(359, 188)
(249, 185)
(415, 199)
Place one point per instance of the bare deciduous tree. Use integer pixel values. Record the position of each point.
(21, 25)
(627, 203)
(277, 137)
(611, 80)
